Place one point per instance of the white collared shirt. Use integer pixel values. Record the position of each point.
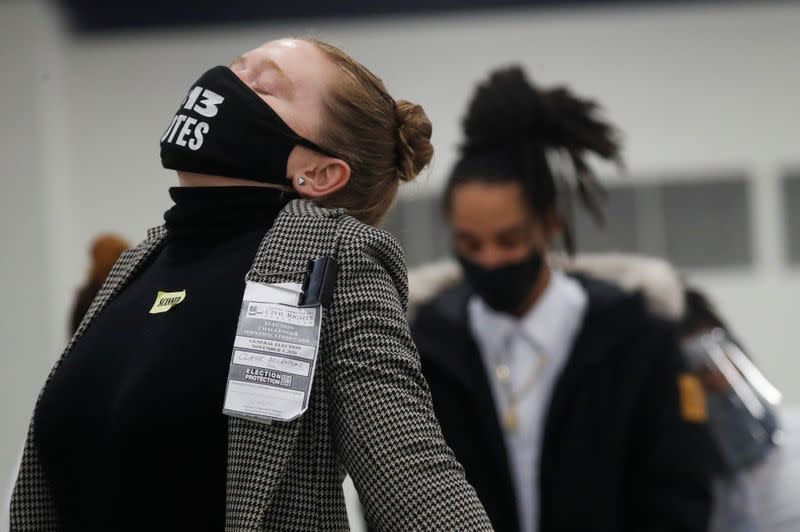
(547, 330)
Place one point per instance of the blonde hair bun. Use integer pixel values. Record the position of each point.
(414, 140)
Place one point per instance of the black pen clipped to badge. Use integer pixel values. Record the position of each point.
(319, 282)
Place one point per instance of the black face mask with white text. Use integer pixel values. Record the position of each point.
(505, 288)
(224, 128)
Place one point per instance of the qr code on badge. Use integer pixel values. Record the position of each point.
(286, 380)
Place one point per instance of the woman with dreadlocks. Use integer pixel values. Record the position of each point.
(564, 399)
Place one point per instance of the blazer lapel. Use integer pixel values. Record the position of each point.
(489, 421)
(457, 352)
(126, 267)
(485, 406)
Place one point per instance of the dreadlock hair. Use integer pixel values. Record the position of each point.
(700, 314)
(511, 130)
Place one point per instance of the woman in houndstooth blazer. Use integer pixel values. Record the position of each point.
(119, 452)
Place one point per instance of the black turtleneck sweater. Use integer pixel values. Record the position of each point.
(130, 428)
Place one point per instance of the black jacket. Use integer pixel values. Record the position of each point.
(616, 454)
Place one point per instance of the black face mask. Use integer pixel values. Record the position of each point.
(223, 128)
(505, 288)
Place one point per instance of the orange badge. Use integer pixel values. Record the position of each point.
(693, 399)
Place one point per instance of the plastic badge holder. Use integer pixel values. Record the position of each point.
(741, 403)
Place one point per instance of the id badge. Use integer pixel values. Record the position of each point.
(274, 354)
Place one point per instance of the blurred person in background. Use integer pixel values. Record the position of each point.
(742, 407)
(104, 252)
(129, 431)
(567, 402)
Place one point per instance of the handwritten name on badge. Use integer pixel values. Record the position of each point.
(166, 300)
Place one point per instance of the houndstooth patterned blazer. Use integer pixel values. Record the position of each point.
(370, 412)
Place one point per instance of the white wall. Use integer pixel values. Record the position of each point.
(27, 323)
(693, 88)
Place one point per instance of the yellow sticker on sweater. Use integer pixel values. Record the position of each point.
(693, 399)
(166, 300)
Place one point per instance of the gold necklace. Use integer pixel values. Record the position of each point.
(502, 371)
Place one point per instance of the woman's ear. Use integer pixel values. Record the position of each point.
(326, 176)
